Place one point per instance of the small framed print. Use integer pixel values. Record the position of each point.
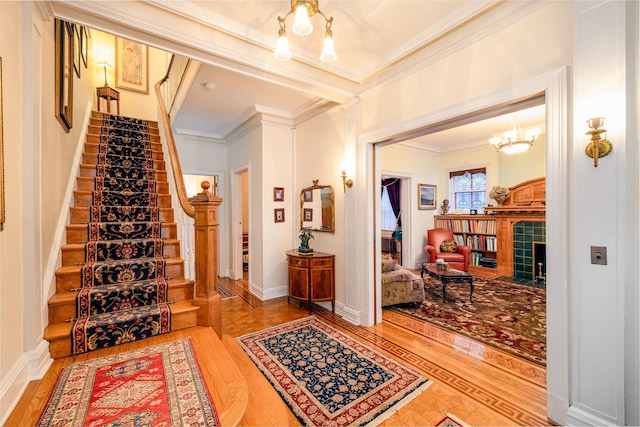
(473, 211)
(278, 194)
(308, 215)
(278, 215)
(308, 195)
(426, 196)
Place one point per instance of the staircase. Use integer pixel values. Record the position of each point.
(122, 278)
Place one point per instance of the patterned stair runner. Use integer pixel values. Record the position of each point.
(124, 289)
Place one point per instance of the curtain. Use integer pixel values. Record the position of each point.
(393, 189)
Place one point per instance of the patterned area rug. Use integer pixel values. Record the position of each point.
(160, 385)
(327, 378)
(124, 292)
(505, 315)
(450, 421)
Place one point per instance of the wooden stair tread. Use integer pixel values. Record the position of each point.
(62, 330)
(70, 296)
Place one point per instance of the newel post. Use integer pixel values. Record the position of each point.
(206, 258)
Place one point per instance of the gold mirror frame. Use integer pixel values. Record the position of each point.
(319, 199)
(64, 74)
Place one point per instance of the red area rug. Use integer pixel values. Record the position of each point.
(160, 385)
(504, 315)
(329, 379)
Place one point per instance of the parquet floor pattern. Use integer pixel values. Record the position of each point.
(479, 385)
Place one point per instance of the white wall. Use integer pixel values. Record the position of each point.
(319, 154)
(277, 171)
(245, 151)
(602, 198)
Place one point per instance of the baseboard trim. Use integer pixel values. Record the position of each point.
(577, 416)
(30, 366)
(557, 409)
(348, 314)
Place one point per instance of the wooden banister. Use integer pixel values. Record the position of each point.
(186, 206)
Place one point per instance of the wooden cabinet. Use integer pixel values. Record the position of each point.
(311, 277)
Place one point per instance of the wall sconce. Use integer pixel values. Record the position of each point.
(598, 147)
(346, 182)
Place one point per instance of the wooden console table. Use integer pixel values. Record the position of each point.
(109, 94)
(311, 277)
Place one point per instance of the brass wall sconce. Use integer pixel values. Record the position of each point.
(598, 147)
(346, 182)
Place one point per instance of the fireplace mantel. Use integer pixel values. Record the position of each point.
(526, 202)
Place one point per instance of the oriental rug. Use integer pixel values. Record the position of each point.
(123, 294)
(328, 378)
(160, 385)
(450, 421)
(504, 315)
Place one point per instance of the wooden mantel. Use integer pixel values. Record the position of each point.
(526, 203)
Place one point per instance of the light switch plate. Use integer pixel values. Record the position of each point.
(599, 255)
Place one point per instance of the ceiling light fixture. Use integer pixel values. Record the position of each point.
(302, 27)
(516, 140)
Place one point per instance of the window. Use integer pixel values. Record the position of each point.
(469, 188)
(388, 217)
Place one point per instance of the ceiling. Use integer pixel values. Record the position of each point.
(375, 40)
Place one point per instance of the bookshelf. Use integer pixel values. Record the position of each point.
(479, 233)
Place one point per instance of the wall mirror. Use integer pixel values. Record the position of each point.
(64, 74)
(317, 208)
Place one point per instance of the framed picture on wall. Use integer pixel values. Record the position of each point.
(278, 215)
(132, 65)
(307, 196)
(426, 196)
(278, 194)
(308, 215)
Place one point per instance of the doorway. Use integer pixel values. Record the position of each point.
(241, 237)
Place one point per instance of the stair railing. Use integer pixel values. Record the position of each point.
(186, 206)
(203, 208)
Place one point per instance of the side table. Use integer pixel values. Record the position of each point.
(110, 95)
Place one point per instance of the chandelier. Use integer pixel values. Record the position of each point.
(302, 27)
(516, 140)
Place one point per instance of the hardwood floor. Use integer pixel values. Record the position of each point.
(477, 384)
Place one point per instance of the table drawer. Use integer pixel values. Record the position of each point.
(298, 262)
(322, 262)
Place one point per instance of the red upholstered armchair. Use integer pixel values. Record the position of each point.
(457, 260)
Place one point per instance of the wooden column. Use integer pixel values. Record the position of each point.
(206, 258)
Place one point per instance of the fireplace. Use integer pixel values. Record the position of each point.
(525, 236)
(539, 267)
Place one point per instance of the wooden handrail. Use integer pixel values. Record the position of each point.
(185, 204)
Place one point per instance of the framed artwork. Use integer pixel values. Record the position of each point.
(308, 215)
(132, 65)
(426, 196)
(278, 194)
(1, 155)
(77, 49)
(278, 215)
(307, 195)
(84, 44)
(64, 74)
